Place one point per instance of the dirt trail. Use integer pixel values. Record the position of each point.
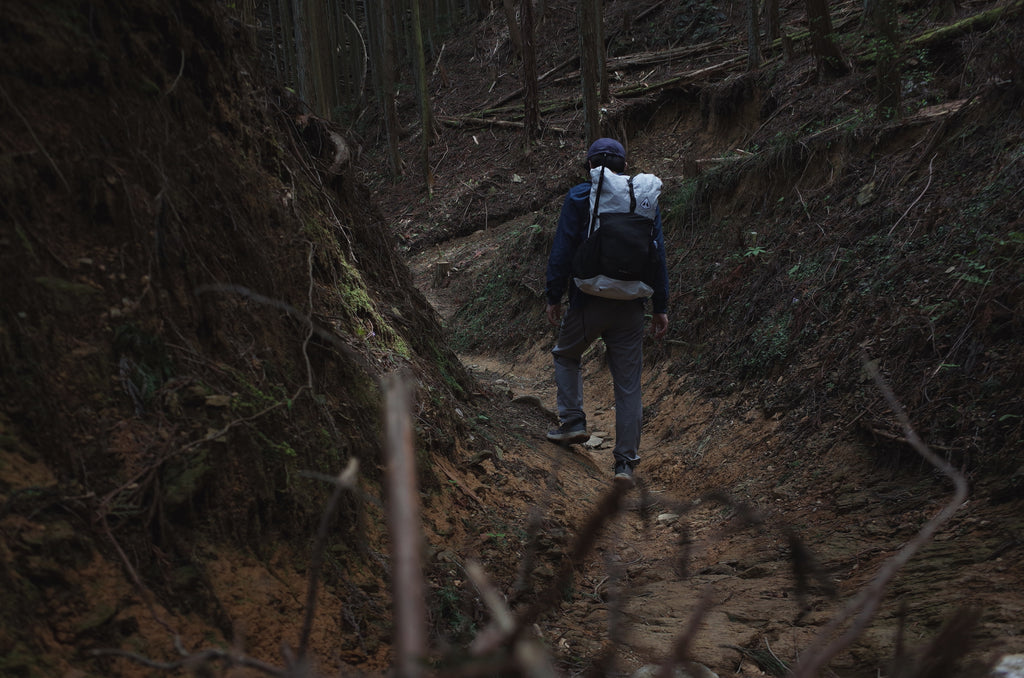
(675, 544)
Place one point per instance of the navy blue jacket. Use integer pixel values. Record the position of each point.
(570, 234)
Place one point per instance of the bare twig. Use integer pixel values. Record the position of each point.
(32, 132)
(309, 319)
(345, 481)
(144, 593)
(916, 200)
(406, 536)
(181, 69)
(295, 313)
(532, 658)
(195, 661)
(870, 597)
(681, 648)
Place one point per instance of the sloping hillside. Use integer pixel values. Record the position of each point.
(198, 303)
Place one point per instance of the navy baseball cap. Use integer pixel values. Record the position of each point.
(607, 146)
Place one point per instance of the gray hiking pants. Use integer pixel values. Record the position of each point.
(621, 325)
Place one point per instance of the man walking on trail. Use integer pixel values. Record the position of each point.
(619, 321)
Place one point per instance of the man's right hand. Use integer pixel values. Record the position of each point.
(554, 313)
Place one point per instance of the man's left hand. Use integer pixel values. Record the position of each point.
(659, 325)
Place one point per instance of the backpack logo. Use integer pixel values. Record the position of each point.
(646, 204)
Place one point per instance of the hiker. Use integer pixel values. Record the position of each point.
(617, 316)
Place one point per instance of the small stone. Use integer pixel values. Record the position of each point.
(218, 401)
(668, 518)
(684, 670)
(1010, 666)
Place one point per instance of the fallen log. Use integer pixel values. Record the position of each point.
(976, 22)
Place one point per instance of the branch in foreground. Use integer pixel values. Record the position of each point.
(870, 597)
(406, 537)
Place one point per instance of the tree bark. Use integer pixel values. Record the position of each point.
(513, 26)
(774, 23)
(426, 116)
(826, 53)
(380, 19)
(753, 37)
(887, 47)
(590, 67)
(301, 86)
(531, 112)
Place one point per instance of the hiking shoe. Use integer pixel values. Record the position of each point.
(623, 472)
(566, 435)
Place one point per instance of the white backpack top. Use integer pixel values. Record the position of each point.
(615, 193)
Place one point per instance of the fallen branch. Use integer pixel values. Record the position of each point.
(916, 200)
(976, 22)
(683, 78)
(346, 480)
(198, 660)
(470, 121)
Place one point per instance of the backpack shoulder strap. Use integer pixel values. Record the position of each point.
(597, 201)
(632, 196)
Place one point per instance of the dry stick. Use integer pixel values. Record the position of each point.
(309, 335)
(870, 597)
(492, 598)
(181, 69)
(35, 138)
(495, 635)
(608, 507)
(532, 658)
(403, 523)
(195, 661)
(345, 481)
(681, 648)
(147, 597)
(923, 191)
(509, 97)
(295, 313)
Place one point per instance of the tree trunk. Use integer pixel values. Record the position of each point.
(590, 68)
(380, 21)
(323, 87)
(531, 111)
(426, 117)
(826, 53)
(887, 65)
(753, 37)
(513, 26)
(774, 24)
(301, 85)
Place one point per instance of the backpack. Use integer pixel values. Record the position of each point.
(620, 253)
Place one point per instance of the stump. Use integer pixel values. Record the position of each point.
(442, 269)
